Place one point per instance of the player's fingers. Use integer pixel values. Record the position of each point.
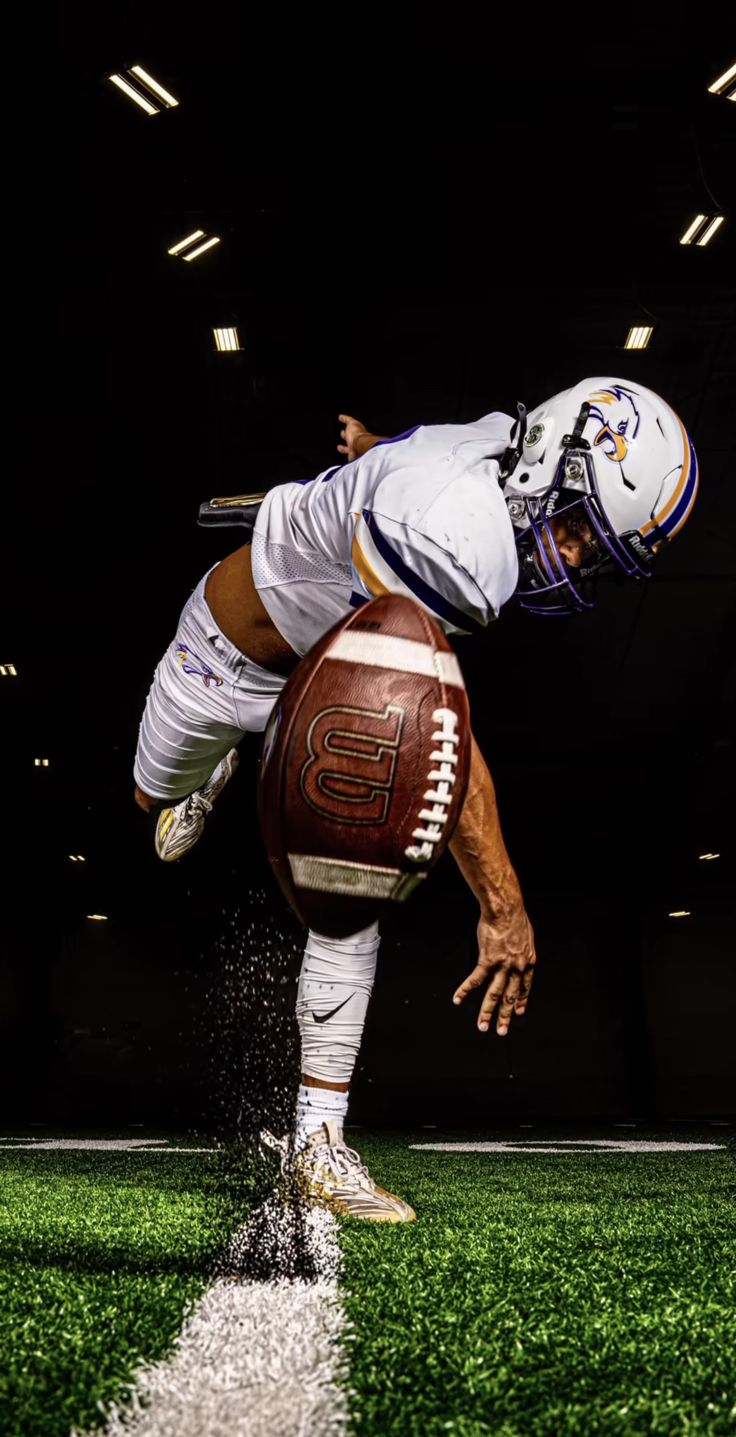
(507, 1004)
(342, 448)
(525, 989)
(493, 994)
(473, 980)
(526, 985)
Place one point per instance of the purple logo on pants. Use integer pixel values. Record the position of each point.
(192, 665)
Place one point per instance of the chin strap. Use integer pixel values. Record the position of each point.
(239, 510)
(512, 455)
(575, 440)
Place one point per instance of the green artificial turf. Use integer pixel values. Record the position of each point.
(545, 1296)
(536, 1294)
(100, 1253)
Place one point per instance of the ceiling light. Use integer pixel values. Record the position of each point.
(227, 340)
(690, 231)
(41, 762)
(725, 84)
(134, 94)
(703, 857)
(97, 917)
(77, 858)
(702, 229)
(8, 671)
(169, 100)
(639, 336)
(680, 913)
(196, 234)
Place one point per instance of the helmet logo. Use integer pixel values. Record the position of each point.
(619, 419)
(534, 435)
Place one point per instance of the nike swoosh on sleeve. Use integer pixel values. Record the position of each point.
(323, 1017)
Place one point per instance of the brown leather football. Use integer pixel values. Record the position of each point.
(364, 766)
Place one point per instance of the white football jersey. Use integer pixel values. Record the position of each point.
(421, 514)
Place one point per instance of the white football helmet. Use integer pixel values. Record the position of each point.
(616, 464)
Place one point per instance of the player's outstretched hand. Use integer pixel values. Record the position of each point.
(353, 429)
(506, 959)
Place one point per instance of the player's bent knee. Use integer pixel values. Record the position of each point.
(146, 802)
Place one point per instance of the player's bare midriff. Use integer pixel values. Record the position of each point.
(239, 611)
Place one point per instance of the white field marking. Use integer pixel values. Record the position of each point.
(574, 1147)
(388, 651)
(99, 1145)
(253, 1359)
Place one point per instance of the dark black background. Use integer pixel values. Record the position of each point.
(425, 214)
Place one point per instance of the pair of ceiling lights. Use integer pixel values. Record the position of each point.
(146, 92)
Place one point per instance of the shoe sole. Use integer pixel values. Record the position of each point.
(320, 1198)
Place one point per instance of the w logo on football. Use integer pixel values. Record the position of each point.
(349, 774)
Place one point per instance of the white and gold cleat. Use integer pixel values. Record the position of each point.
(331, 1175)
(179, 828)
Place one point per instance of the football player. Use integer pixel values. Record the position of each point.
(462, 518)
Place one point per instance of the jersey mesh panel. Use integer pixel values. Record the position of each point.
(281, 564)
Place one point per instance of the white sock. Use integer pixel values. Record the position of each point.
(315, 1106)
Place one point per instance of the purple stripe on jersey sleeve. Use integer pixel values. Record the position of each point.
(423, 592)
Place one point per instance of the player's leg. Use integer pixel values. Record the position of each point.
(335, 986)
(185, 753)
(204, 695)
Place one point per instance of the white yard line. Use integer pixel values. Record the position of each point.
(253, 1359)
(95, 1145)
(573, 1147)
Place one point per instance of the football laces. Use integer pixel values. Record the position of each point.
(443, 777)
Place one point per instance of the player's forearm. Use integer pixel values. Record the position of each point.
(478, 847)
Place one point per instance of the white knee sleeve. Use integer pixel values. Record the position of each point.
(335, 986)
